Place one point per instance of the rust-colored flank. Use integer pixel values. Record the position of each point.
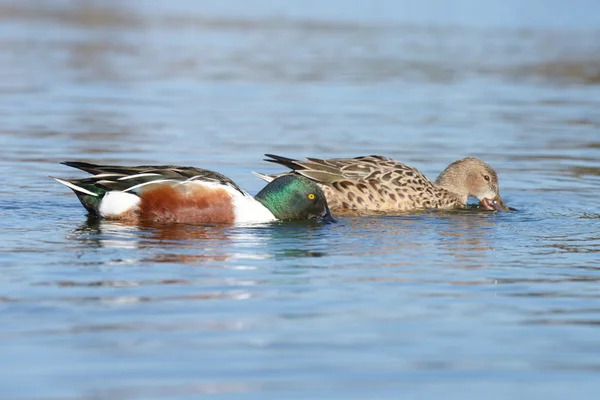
(199, 204)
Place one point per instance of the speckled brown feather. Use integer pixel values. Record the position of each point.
(372, 183)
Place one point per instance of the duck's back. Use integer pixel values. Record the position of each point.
(371, 183)
(167, 194)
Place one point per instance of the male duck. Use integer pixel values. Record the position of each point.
(377, 183)
(192, 195)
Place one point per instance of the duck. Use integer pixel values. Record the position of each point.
(379, 184)
(174, 194)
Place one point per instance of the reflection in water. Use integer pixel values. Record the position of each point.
(458, 238)
(216, 246)
(152, 245)
(98, 231)
(470, 241)
(298, 253)
(200, 242)
(462, 239)
(101, 233)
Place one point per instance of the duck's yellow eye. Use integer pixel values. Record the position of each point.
(311, 196)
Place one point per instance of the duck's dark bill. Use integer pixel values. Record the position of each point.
(496, 204)
(327, 217)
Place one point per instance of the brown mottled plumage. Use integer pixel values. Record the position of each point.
(377, 183)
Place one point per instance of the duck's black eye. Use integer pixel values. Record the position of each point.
(486, 177)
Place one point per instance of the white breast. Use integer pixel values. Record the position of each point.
(115, 203)
(247, 210)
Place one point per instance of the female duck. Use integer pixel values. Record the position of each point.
(377, 183)
(191, 195)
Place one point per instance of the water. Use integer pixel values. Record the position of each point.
(461, 304)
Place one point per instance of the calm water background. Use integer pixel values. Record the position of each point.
(453, 304)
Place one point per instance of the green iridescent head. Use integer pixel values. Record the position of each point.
(293, 197)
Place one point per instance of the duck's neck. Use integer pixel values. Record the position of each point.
(453, 180)
(275, 200)
(248, 210)
(267, 201)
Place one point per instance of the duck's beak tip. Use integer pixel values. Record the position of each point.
(327, 217)
(495, 204)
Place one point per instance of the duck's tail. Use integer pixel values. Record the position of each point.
(265, 177)
(89, 194)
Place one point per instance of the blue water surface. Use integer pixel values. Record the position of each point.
(457, 304)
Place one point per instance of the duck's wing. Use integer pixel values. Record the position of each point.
(331, 170)
(129, 179)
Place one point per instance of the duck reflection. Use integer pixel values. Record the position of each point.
(457, 238)
(166, 248)
(468, 237)
(97, 230)
(169, 243)
(99, 233)
(216, 246)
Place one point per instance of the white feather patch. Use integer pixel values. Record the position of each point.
(248, 210)
(115, 203)
(264, 177)
(137, 176)
(74, 187)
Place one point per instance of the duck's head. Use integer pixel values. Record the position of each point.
(294, 197)
(471, 177)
